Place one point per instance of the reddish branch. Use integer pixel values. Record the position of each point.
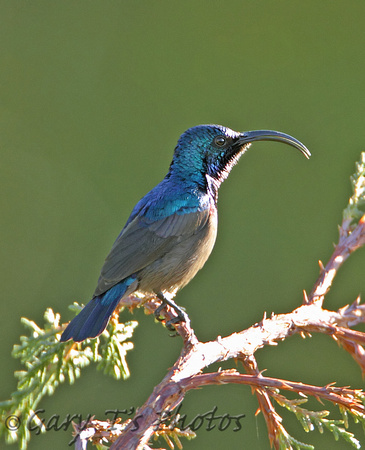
(195, 356)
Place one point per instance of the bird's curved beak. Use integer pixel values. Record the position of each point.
(269, 135)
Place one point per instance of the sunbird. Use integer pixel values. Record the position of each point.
(172, 229)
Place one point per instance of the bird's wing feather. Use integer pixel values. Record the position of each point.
(143, 241)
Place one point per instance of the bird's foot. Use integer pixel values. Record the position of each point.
(181, 314)
(157, 312)
(170, 326)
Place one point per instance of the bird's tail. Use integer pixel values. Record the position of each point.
(93, 319)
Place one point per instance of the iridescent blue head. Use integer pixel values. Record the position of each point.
(210, 151)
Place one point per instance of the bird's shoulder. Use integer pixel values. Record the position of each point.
(170, 198)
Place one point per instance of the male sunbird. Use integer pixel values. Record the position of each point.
(171, 231)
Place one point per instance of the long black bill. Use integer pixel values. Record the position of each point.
(269, 135)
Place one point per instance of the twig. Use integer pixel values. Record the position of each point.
(350, 240)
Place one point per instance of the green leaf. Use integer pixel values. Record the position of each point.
(48, 363)
(356, 206)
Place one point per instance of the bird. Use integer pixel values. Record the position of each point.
(171, 231)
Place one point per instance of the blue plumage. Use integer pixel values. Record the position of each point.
(171, 231)
(94, 317)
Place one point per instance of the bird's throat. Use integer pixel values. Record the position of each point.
(221, 167)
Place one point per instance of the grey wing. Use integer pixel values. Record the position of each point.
(143, 242)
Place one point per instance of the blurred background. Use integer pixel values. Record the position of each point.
(93, 97)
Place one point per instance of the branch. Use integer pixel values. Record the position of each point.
(186, 372)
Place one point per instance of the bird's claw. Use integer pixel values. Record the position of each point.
(170, 326)
(157, 312)
(180, 317)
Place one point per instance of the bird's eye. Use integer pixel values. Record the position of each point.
(220, 141)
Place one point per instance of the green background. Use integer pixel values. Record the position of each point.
(93, 97)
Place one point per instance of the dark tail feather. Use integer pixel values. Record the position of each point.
(93, 319)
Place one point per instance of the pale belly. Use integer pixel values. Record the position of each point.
(177, 267)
